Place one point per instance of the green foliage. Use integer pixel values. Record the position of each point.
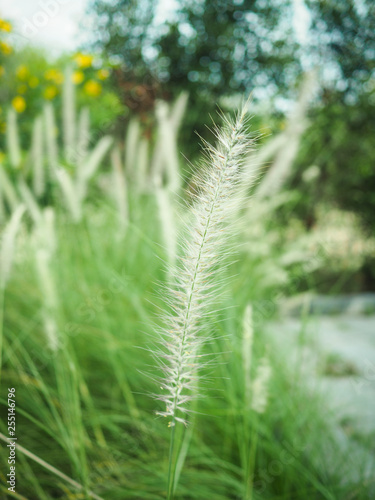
(86, 410)
(342, 36)
(216, 48)
(80, 315)
(80, 308)
(123, 29)
(339, 142)
(211, 48)
(105, 111)
(30, 79)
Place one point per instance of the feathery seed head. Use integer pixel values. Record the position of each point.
(195, 286)
(8, 243)
(260, 386)
(247, 347)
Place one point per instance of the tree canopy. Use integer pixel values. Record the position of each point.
(209, 47)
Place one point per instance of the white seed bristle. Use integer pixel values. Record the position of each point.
(247, 348)
(195, 286)
(260, 386)
(8, 243)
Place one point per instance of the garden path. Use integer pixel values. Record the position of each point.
(337, 356)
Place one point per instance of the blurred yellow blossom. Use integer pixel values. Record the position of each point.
(50, 92)
(2, 70)
(22, 72)
(2, 155)
(102, 74)
(5, 48)
(54, 75)
(21, 89)
(33, 82)
(5, 26)
(19, 104)
(92, 88)
(78, 77)
(83, 60)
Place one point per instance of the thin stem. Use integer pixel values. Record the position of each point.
(251, 462)
(171, 468)
(52, 469)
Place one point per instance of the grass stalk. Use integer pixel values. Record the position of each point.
(250, 463)
(171, 465)
(195, 287)
(51, 469)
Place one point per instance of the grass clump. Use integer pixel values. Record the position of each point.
(77, 356)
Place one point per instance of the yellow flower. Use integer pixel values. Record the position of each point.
(2, 71)
(19, 104)
(50, 74)
(78, 77)
(50, 92)
(102, 74)
(33, 82)
(22, 72)
(21, 89)
(83, 60)
(5, 26)
(54, 75)
(59, 78)
(2, 155)
(5, 48)
(92, 88)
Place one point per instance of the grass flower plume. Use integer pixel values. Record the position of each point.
(195, 286)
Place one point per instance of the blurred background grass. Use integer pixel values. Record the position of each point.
(93, 144)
